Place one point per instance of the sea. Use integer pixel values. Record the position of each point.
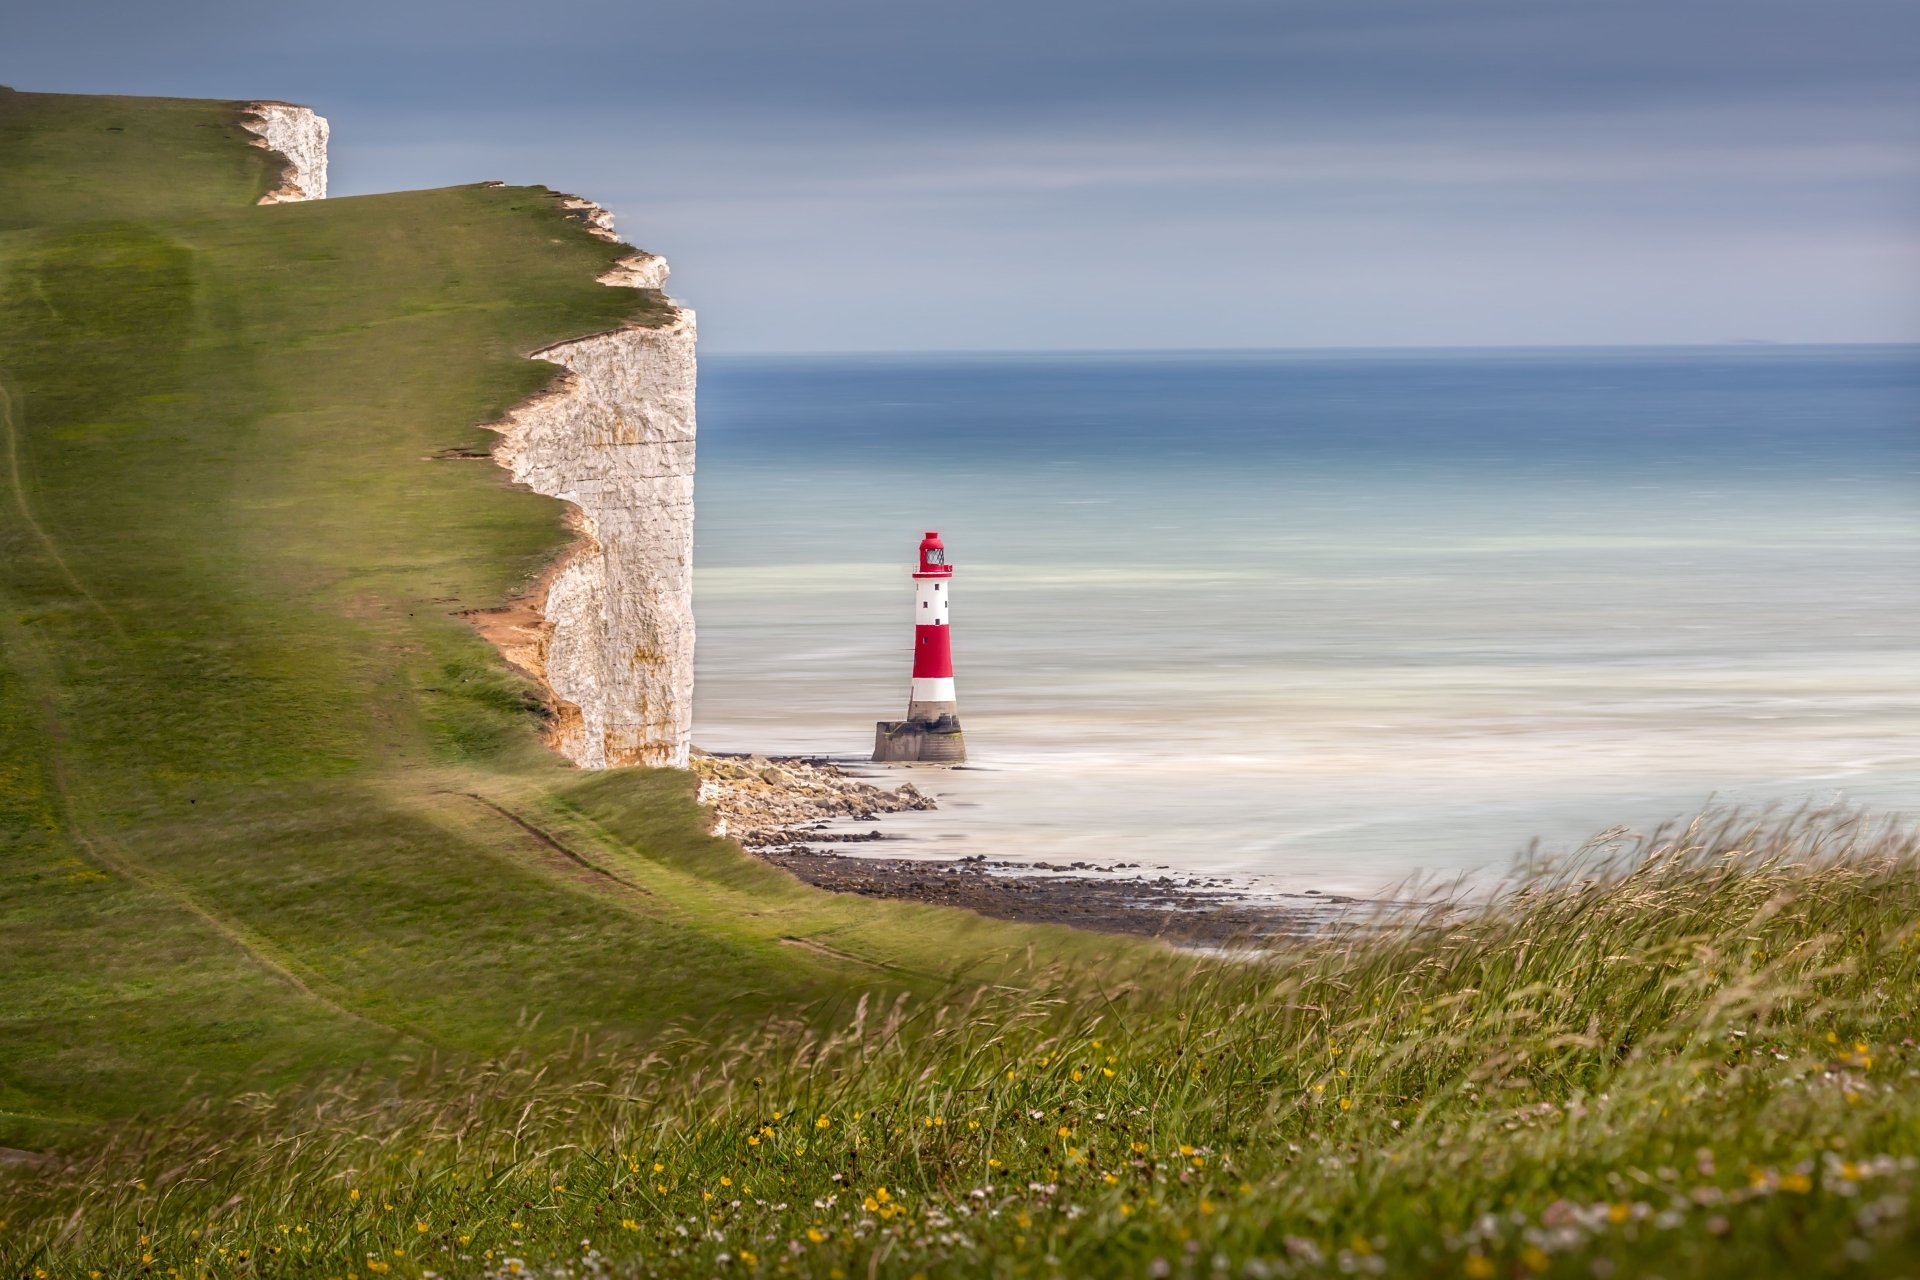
(1356, 622)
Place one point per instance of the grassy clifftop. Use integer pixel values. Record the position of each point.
(267, 804)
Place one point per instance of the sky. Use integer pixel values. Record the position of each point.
(869, 175)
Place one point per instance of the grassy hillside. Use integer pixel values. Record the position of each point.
(1701, 1063)
(267, 804)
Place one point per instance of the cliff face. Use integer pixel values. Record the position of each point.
(299, 135)
(610, 632)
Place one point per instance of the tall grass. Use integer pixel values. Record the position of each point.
(1691, 1056)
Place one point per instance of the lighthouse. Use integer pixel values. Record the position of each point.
(931, 732)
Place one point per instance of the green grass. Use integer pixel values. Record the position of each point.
(261, 788)
(1700, 1062)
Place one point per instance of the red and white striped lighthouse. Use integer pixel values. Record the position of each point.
(931, 732)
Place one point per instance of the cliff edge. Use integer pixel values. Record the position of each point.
(609, 629)
(300, 135)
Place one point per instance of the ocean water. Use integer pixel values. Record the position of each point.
(1329, 621)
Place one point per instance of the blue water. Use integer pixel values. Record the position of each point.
(1328, 619)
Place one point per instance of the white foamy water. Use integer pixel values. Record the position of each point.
(1321, 670)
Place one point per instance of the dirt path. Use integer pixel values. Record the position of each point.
(18, 485)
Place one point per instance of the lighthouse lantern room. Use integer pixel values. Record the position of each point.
(931, 732)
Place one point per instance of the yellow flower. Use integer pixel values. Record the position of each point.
(661, 1187)
(420, 1227)
(1206, 1207)
(1077, 1077)
(1107, 1072)
(1185, 1150)
(992, 1163)
(1798, 1183)
(725, 1181)
(1109, 1179)
(466, 1239)
(1126, 1211)
(1477, 1266)
(1139, 1148)
(1533, 1259)
(1346, 1104)
(1096, 1044)
(880, 1194)
(628, 1224)
(1619, 1213)
(822, 1123)
(1065, 1132)
(658, 1167)
(515, 1224)
(816, 1235)
(746, 1256)
(353, 1194)
(753, 1139)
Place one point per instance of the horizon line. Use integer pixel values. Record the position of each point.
(1733, 344)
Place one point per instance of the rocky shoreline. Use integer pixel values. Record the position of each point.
(779, 808)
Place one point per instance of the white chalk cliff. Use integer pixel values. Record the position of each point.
(299, 135)
(609, 629)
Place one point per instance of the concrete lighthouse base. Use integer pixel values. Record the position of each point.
(919, 741)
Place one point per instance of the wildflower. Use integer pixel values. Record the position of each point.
(1186, 1150)
(658, 1167)
(1206, 1208)
(1107, 1072)
(1065, 1132)
(1533, 1259)
(514, 1223)
(753, 1139)
(1139, 1148)
(628, 1224)
(822, 1123)
(1798, 1183)
(661, 1187)
(725, 1181)
(816, 1235)
(1077, 1077)
(747, 1257)
(1126, 1211)
(420, 1227)
(880, 1194)
(466, 1239)
(1619, 1213)
(353, 1193)
(1109, 1179)
(1478, 1267)
(1346, 1104)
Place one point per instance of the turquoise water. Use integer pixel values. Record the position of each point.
(1328, 620)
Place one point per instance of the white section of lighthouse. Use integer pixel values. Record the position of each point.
(931, 732)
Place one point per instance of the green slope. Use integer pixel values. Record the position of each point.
(266, 803)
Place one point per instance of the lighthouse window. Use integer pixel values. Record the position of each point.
(936, 555)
